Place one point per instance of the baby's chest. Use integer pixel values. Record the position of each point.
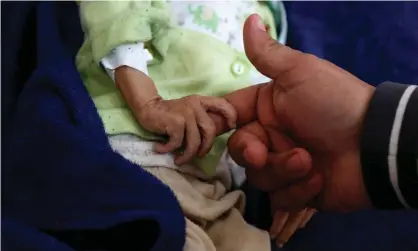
(221, 19)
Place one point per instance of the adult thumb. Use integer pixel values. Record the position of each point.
(266, 54)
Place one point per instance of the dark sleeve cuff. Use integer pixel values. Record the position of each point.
(389, 147)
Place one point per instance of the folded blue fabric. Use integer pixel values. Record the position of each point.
(18, 236)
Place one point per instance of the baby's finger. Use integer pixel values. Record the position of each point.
(207, 131)
(220, 105)
(307, 217)
(192, 142)
(279, 220)
(175, 132)
(292, 225)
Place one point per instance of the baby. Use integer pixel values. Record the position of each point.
(154, 70)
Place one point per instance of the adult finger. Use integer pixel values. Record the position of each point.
(292, 225)
(266, 54)
(307, 217)
(248, 146)
(279, 220)
(279, 141)
(192, 141)
(287, 168)
(244, 101)
(298, 195)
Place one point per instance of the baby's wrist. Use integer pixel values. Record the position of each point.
(149, 103)
(137, 88)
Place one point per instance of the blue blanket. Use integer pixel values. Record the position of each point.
(64, 188)
(60, 175)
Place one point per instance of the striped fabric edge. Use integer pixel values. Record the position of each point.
(389, 147)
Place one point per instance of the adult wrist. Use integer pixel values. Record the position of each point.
(389, 145)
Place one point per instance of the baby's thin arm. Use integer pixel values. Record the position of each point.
(115, 30)
(136, 87)
(127, 66)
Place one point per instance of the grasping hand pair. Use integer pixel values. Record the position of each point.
(298, 136)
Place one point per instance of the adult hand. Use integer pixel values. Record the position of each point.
(309, 101)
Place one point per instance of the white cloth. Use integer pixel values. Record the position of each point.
(212, 210)
(141, 152)
(132, 55)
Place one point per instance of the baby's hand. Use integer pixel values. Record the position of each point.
(286, 224)
(186, 122)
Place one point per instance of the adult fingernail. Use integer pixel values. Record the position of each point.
(260, 24)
